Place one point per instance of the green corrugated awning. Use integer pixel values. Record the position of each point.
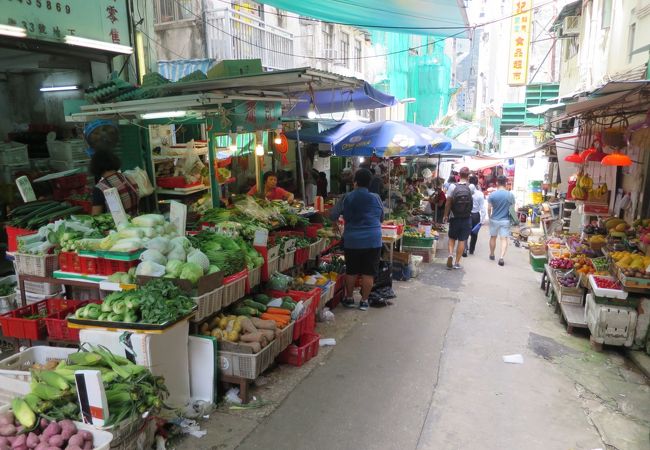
(437, 17)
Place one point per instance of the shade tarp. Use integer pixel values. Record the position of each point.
(438, 17)
(329, 136)
(342, 100)
(176, 69)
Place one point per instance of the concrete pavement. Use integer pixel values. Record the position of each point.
(427, 373)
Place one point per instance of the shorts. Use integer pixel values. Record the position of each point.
(362, 261)
(460, 228)
(500, 228)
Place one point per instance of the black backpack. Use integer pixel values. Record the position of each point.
(461, 201)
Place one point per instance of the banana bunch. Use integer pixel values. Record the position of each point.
(578, 193)
(585, 182)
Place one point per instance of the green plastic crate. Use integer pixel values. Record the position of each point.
(424, 242)
(537, 262)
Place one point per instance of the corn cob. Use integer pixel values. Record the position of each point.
(46, 392)
(85, 358)
(23, 413)
(54, 379)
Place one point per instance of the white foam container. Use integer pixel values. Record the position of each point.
(165, 354)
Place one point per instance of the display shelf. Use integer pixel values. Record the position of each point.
(182, 191)
(574, 315)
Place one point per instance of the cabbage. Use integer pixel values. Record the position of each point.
(198, 257)
(213, 269)
(130, 232)
(127, 245)
(116, 277)
(150, 269)
(174, 268)
(177, 253)
(183, 242)
(148, 220)
(191, 272)
(159, 243)
(153, 255)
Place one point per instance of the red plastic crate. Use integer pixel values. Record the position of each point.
(338, 296)
(312, 230)
(87, 205)
(174, 182)
(110, 266)
(13, 234)
(73, 262)
(307, 348)
(301, 256)
(70, 182)
(57, 324)
(61, 195)
(14, 325)
(307, 322)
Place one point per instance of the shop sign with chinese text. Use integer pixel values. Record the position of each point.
(101, 20)
(520, 30)
(255, 116)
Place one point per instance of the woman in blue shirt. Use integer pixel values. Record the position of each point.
(363, 213)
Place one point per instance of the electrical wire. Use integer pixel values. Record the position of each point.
(250, 8)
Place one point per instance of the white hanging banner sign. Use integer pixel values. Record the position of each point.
(178, 215)
(261, 237)
(115, 206)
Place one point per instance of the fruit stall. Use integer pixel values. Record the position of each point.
(143, 304)
(600, 280)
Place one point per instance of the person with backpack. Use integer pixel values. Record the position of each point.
(458, 211)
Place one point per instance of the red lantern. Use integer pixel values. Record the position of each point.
(282, 148)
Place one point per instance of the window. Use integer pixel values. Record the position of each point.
(172, 10)
(328, 36)
(345, 49)
(606, 14)
(357, 56)
(630, 42)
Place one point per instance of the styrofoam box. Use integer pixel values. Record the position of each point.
(203, 368)
(611, 325)
(165, 354)
(642, 321)
(13, 153)
(17, 366)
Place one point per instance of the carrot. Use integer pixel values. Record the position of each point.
(277, 318)
(278, 311)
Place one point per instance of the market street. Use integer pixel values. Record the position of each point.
(428, 373)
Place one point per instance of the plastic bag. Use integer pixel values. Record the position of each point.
(139, 178)
(280, 282)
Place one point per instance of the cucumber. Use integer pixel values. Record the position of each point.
(254, 304)
(24, 219)
(22, 209)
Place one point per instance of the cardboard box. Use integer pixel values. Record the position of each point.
(236, 68)
(207, 283)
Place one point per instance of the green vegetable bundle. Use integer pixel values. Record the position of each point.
(222, 251)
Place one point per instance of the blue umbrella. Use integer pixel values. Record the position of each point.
(388, 139)
(329, 136)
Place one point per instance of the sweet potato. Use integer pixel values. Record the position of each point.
(268, 334)
(253, 345)
(77, 440)
(251, 337)
(263, 324)
(7, 430)
(6, 419)
(247, 325)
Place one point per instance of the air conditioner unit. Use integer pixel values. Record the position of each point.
(331, 53)
(642, 8)
(571, 26)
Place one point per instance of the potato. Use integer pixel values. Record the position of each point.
(7, 430)
(77, 440)
(233, 336)
(217, 333)
(20, 440)
(32, 440)
(6, 419)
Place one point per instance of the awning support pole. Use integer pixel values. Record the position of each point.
(302, 175)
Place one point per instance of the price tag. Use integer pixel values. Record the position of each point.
(25, 189)
(115, 206)
(178, 215)
(261, 237)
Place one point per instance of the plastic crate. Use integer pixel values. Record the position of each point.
(174, 182)
(312, 230)
(61, 166)
(71, 150)
(208, 304)
(537, 262)
(271, 260)
(427, 254)
(73, 262)
(254, 279)
(87, 205)
(315, 249)
(423, 242)
(13, 234)
(76, 181)
(107, 267)
(37, 265)
(234, 287)
(13, 153)
(287, 261)
(301, 256)
(14, 325)
(307, 348)
(18, 366)
(57, 324)
(248, 366)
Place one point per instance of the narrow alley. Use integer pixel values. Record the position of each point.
(428, 373)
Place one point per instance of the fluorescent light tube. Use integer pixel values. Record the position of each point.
(8, 30)
(163, 114)
(99, 45)
(59, 88)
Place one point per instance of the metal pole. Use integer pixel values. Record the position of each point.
(435, 217)
(302, 175)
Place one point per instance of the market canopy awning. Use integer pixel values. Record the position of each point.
(438, 17)
(329, 136)
(613, 94)
(176, 69)
(341, 100)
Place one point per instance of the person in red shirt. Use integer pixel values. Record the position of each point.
(271, 189)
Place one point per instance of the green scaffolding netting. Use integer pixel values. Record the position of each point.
(424, 73)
